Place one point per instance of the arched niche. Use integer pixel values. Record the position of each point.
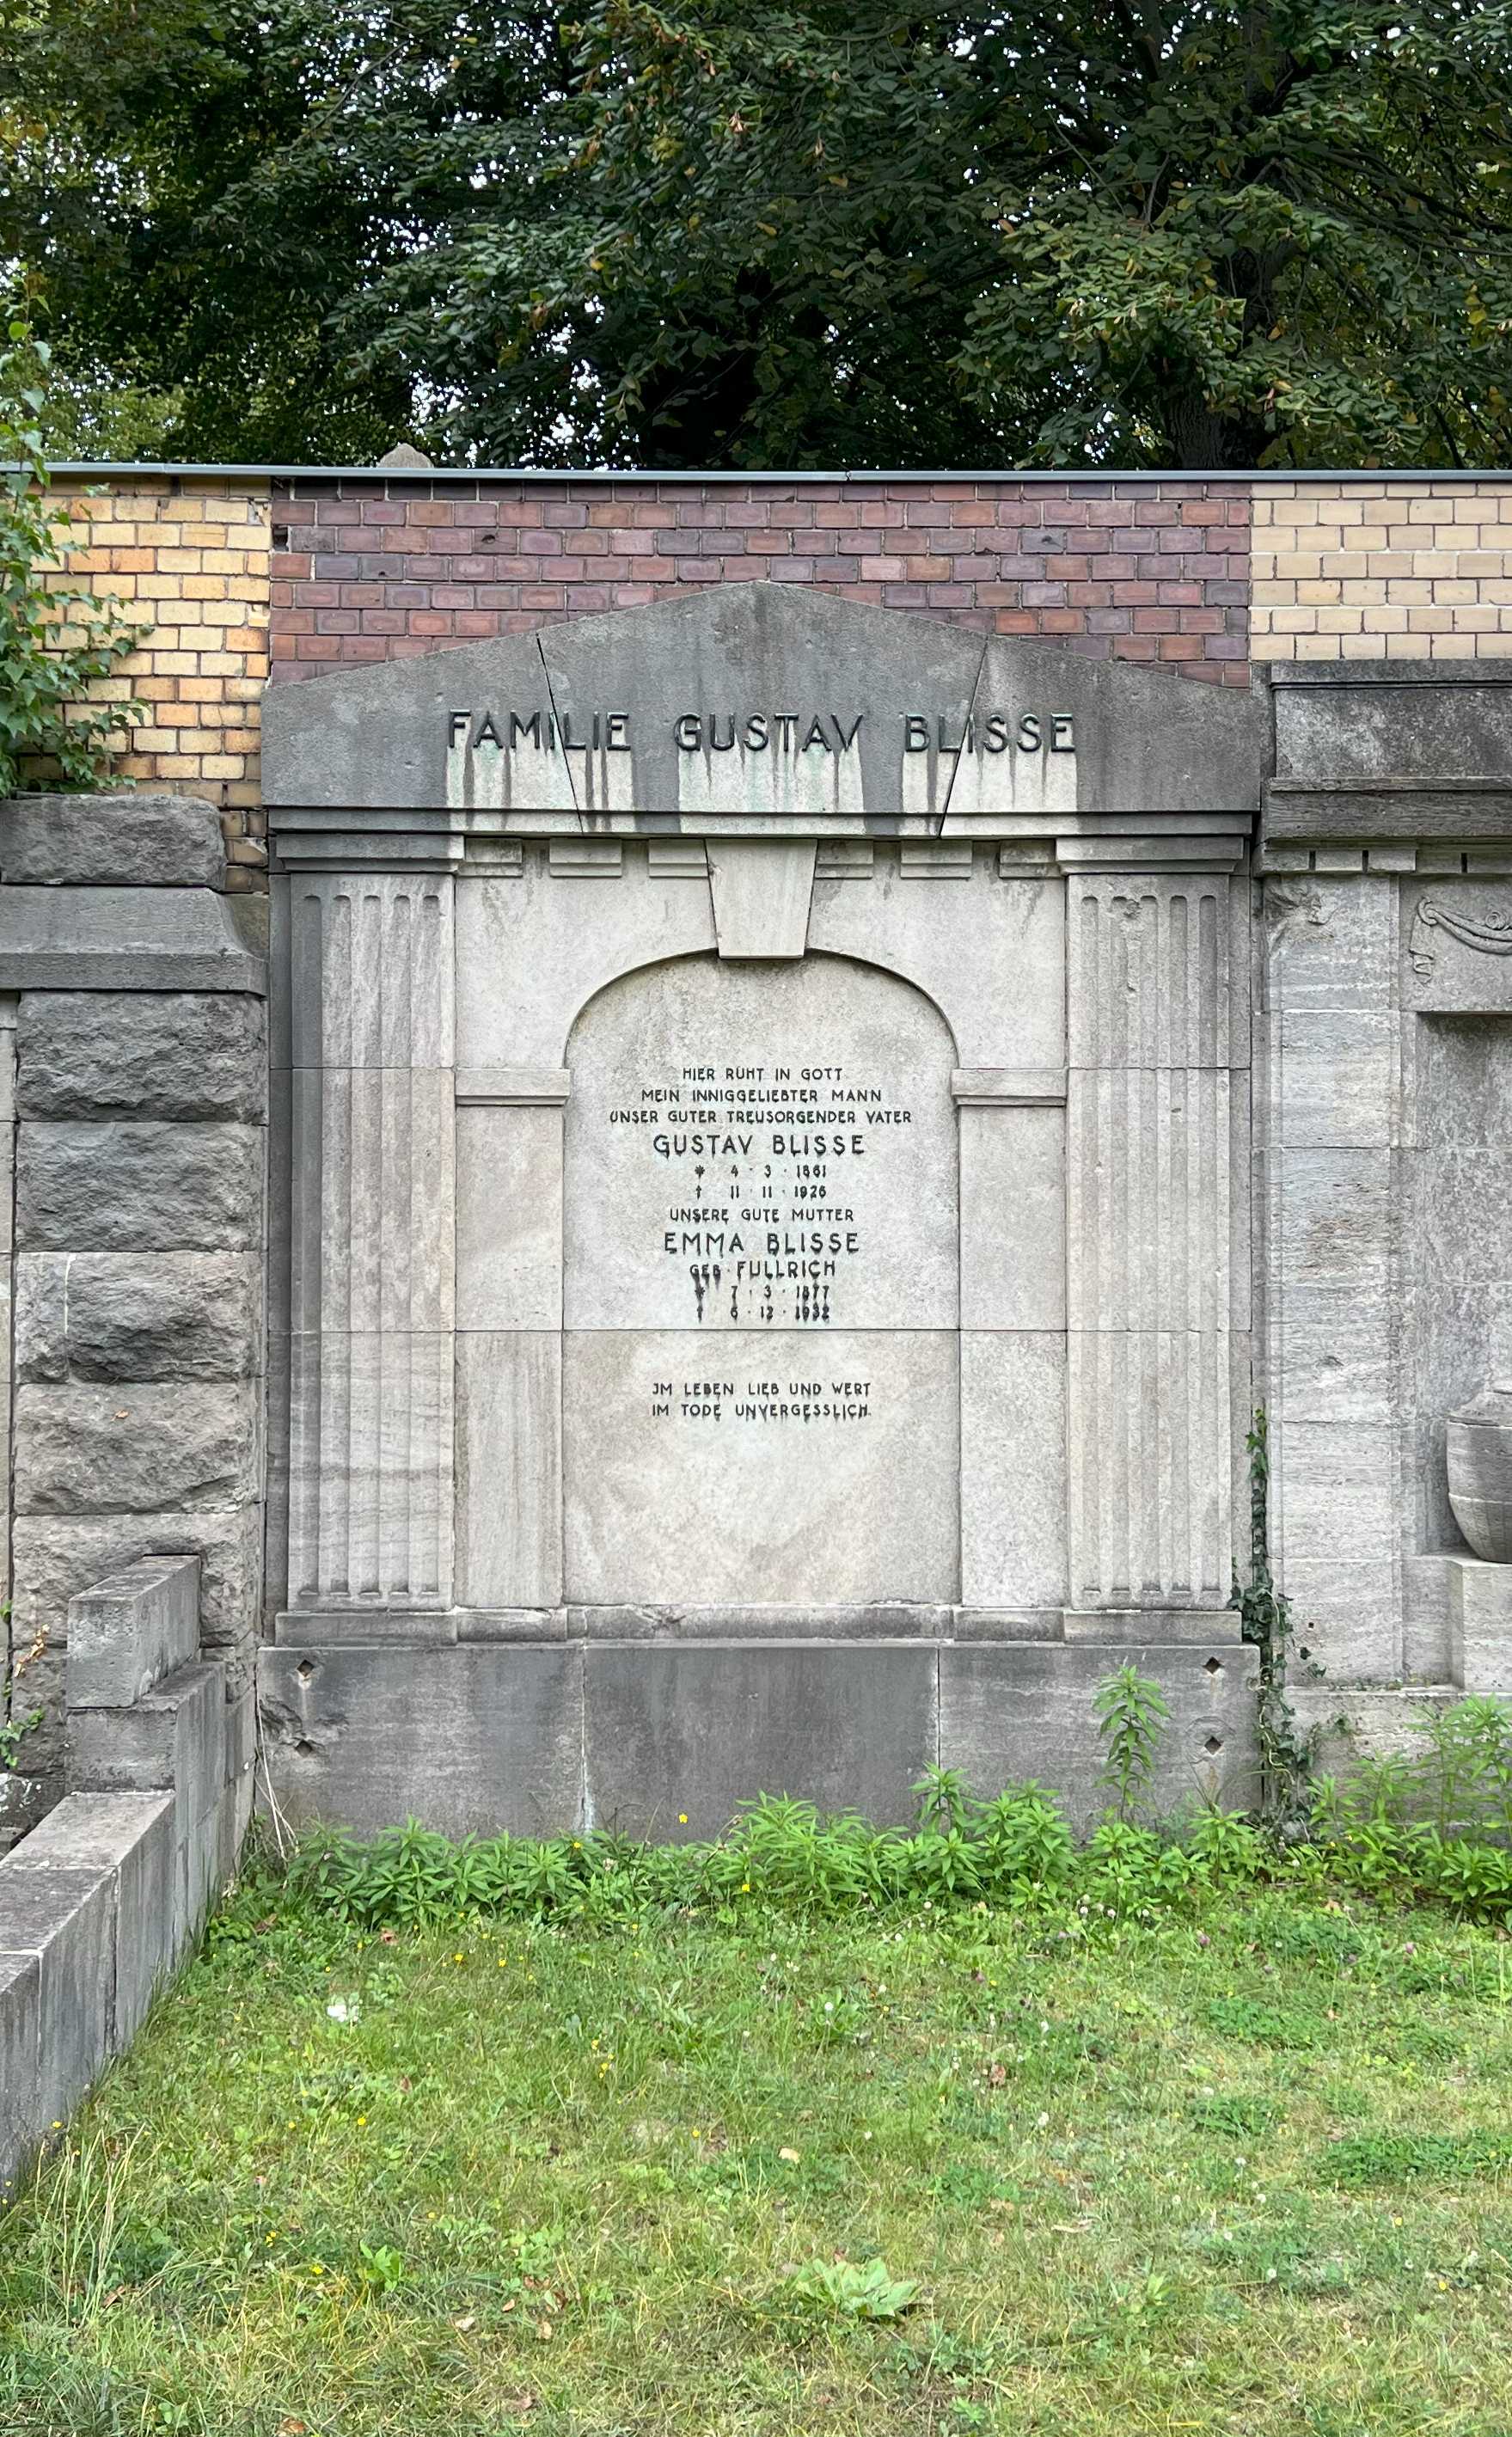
(760, 1293)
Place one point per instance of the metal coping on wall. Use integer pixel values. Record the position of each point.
(1097, 476)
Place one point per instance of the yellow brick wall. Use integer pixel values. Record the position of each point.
(189, 556)
(1382, 571)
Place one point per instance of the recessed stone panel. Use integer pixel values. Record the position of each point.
(509, 1468)
(532, 950)
(760, 1148)
(1012, 1219)
(803, 1467)
(1012, 1481)
(991, 953)
(760, 1397)
(509, 1217)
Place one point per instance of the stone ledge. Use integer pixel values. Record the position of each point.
(1111, 1630)
(1426, 672)
(125, 939)
(1392, 809)
(1008, 1087)
(513, 1087)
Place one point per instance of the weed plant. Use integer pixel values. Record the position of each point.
(1433, 1829)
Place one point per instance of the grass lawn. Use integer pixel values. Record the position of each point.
(1252, 2176)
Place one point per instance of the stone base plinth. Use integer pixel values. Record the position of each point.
(667, 1738)
(1480, 1626)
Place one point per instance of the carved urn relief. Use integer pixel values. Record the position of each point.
(1479, 1471)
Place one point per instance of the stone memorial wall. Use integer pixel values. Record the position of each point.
(734, 1235)
(765, 1093)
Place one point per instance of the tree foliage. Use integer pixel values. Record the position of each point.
(56, 639)
(748, 234)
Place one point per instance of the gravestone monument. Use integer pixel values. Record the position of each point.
(763, 1095)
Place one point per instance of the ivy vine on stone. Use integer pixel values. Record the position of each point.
(59, 640)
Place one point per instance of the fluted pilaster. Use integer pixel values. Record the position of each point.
(1156, 1006)
(371, 1265)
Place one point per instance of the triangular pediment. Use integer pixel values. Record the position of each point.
(764, 700)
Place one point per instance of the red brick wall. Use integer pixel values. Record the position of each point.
(372, 570)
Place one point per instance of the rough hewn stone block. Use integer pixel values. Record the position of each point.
(141, 1054)
(84, 1449)
(121, 841)
(137, 1316)
(155, 1187)
(26, 1797)
(55, 1556)
(125, 1633)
